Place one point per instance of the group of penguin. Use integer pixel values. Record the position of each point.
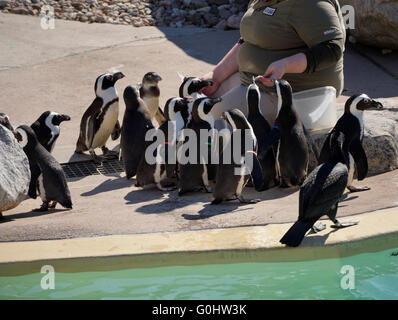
(280, 152)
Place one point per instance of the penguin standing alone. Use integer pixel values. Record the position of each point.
(101, 119)
(150, 92)
(47, 131)
(322, 190)
(292, 156)
(136, 123)
(52, 181)
(195, 176)
(261, 128)
(161, 173)
(229, 184)
(351, 122)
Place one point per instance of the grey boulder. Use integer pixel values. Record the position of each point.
(14, 171)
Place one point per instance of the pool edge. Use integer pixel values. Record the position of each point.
(376, 231)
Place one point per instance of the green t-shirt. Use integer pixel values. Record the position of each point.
(274, 30)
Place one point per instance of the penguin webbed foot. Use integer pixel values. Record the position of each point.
(43, 208)
(52, 205)
(357, 189)
(318, 227)
(341, 225)
(108, 154)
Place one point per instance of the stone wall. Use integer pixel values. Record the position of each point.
(222, 14)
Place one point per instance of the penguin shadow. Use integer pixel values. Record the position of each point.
(110, 185)
(346, 197)
(143, 195)
(318, 239)
(173, 202)
(210, 210)
(30, 214)
(270, 194)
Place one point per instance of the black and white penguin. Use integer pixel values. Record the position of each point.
(261, 129)
(292, 149)
(191, 88)
(52, 181)
(351, 122)
(47, 129)
(195, 175)
(161, 173)
(5, 121)
(150, 92)
(233, 174)
(322, 190)
(136, 123)
(100, 119)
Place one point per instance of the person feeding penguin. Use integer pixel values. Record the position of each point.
(305, 48)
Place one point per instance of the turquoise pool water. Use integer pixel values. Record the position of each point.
(376, 277)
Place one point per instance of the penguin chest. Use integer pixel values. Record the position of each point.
(106, 126)
(152, 104)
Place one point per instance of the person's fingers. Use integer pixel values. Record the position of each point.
(266, 81)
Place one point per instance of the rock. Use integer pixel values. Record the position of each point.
(217, 2)
(222, 25)
(380, 139)
(4, 3)
(233, 22)
(14, 173)
(376, 22)
(199, 3)
(19, 10)
(210, 19)
(224, 12)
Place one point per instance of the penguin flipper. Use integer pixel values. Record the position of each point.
(116, 131)
(35, 172)
(91, 131)
(257, 173)
(268, 141)
(359, 155)
(295, 235)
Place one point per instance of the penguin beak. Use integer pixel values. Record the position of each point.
(117, 76)
(60, 118)
(210, 104)
(64, 117)
(376, 105)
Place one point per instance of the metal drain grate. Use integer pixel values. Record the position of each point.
(89, 168)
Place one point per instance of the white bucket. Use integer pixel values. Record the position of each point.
(316, 107)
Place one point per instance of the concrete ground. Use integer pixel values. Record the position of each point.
(55, 70)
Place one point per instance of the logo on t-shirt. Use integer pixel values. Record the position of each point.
(269, 11)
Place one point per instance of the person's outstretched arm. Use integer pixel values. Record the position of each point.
(224, 69)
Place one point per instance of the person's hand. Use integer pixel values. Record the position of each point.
(275, 71)
(210, 90)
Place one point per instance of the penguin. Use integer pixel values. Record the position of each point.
(292, 148)
(322, 189)
(162, 173)
(136, 123)
(5, 121)
(351, 122)
(261, 129)
(150, 92)
(101, 118)
(195, 176)
(52, 181)
(47, 129)
(229, 184)
(190, 88)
